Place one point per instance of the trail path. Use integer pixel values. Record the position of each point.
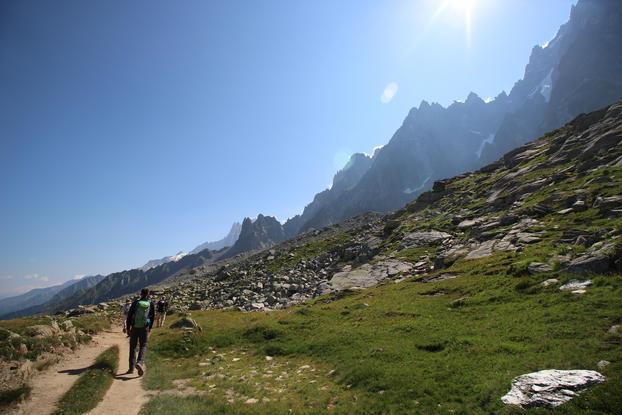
(125, 396)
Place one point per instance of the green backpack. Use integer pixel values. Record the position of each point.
(141, 314)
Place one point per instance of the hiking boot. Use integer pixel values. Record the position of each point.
(140, 366)
(130, 371)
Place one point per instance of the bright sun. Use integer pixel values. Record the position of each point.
(465, 7)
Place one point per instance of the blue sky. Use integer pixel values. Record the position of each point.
(133, 130)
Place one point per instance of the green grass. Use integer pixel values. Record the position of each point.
(92, 385)
(398, 348)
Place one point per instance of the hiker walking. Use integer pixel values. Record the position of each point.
(139, 322)
(161, 309)
(126, 310)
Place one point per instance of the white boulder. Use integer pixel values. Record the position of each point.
(549, 387)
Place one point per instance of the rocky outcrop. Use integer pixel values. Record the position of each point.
(256, 234)
(550, 388)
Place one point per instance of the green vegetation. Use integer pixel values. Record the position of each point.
(10, 344)
(92, 385)
(14, 395)
(446, 347)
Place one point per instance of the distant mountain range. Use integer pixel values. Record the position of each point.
(30, 302)
(227, 241)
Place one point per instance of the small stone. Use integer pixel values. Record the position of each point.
(549, 282)
(269, 358)
(603, 363)
(251, 401)
(539, 267)
(615, 329)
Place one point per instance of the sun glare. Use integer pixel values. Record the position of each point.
(465, 7)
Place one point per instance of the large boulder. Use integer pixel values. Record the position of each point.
(186, 323)
(424, 238)
(550, 387)
(40, 330)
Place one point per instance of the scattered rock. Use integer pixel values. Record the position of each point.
(550, 281)
(538, 267)
(40, 330)
(549, 388)
(575, 285)
(186, 323)
(603, 363)
(615, 329)
(424, 238)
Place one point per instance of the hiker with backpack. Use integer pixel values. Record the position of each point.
(161, 309)
(139, 322)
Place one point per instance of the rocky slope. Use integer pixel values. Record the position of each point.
(580, 70)
(555, 204)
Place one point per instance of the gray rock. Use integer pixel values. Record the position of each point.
(539, 267)
(608, 203)
(424, 238)
(186, 323)
(40, 330)
(550, 281)
(483, 250)
(587, 264)
(615, 329)
(603, 363)
(550, 387)
(469, 223)
(527, 238)
(579, 206)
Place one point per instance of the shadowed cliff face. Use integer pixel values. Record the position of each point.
(261, 233)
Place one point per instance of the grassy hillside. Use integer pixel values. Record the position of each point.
(483, 302)
(446, 347)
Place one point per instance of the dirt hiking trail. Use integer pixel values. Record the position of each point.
(125, 396)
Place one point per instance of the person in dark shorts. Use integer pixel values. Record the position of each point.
(161, 310)
(139, 323)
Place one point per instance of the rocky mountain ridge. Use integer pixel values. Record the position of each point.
(580, 70)
(552, 207)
